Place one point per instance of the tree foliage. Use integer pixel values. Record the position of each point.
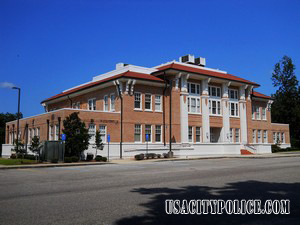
(36, 146)
(286, 105)
(77, 137)
(98, 142)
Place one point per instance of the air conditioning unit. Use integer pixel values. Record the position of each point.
(200, 61)
(187, 59)
(121, 65)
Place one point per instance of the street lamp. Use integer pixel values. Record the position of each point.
(19, 93)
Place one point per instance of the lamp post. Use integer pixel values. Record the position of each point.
(19, 93)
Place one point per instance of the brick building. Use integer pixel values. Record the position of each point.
(201, 110)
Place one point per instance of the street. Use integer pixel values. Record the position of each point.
(135, 193)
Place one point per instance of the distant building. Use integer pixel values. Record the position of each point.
(213, 112)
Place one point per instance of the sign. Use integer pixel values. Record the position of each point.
(108, 138)
(147, 137)
(63, 137)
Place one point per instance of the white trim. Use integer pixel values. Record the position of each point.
(104, 103)
(141, 133)
(161, 127)
(196, 135)
(189, 134)
(93, 106)
(110, 106)
(160, 105)
(141, 101)
(105, 127)
(148, 110)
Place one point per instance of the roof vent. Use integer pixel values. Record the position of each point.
(200, 61)
(121, 65)
(187, 59)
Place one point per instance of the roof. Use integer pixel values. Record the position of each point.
(260, 95)
(205, 72)
(127, 74)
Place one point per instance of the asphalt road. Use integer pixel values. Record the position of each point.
(135, 193)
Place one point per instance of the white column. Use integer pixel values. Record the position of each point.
(205, 112)
(243, 115)
(225, 108)
(184, 117)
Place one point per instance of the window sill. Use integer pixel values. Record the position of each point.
(215, 115)
(192, 113)
(237, 117)
(148, 110)
(159, 111)
(139, 110)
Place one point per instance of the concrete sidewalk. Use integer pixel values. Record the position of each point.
(132, 161)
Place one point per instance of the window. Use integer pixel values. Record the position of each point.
(257, 110)
(92, 104)
(193, 105)
(137, 133)
(148, 102)
(259, 136)
(105, 99)
(29, 135)
(253, 112)
(237, 135)
(215, 107)
(233, 94)
(231, 135)
(76, 105)
(56, 132)
(102, 131)
(265, 136)
(112, 102)
(92, 132)
(38, 132)
(50, 132)
(148, 132)
(254, 136)
(137, 101)
(194, 88)
(157, 133)
(263, 113)
(214, 91)
(282, 138)
(198, 134)
(274, 137)
(190, 134)
(278, 137)
(158, 103)
(234, 109)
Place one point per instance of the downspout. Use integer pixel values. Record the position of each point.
(70, 101)
(170, 126)
(121, 132)
(59, 120)
(164, 114)
(48, 123)
(26, 135)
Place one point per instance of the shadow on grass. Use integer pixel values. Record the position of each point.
(240, 190)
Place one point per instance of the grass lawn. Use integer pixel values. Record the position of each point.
(16, 161)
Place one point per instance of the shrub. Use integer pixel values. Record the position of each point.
(31, 157)
(19, 156)
(103, 159)
(13, 156)
(98, 158)
(139, 156)
(67, 159)
(74, 159)
(275, 148)
(288, 149)
(54, 160)
(158, 156)
(89, 156)
(165, 155)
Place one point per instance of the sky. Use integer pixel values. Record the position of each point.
(49, 46)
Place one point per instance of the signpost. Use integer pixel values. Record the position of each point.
(108, 140)
(63, 138)
(147, 139)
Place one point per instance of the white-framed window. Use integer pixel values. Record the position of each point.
(38, 132)
(259, 136)
(278, 137)
(263, 113)
(190, 134)
(137, 100)
(265, 136)
(51, 132)
(282, 137)
(214, 91)
(92, 104)
(257, 111)
(233, 94)
(92, 132)
(194, 88)
(105, 103)
(76, 105)
(253, 112)
(112, 102)
(148, 102)
(274, 138)
(158, 133)
(237, 135)
(234, 109)
(214, 107)
(148, 131)
(158, 103)
(198, 134)
(102, 131)
(56, 132)
(137, 133)
(193, 104)
(231, 135)
(29, 135)
(253, 136)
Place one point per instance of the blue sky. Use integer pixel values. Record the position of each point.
(49, 46)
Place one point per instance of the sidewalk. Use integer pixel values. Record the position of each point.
(132, 161)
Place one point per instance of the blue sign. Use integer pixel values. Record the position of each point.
(63, 137)
(108, 138)
(147, 137)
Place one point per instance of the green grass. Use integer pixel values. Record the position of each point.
(8, 162)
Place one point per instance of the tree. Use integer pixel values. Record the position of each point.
(36, 146)
(77, 137)
(98, 142)
(4, 118)
(19, 148)
(286, 105)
